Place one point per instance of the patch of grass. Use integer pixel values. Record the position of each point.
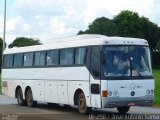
(156, 74)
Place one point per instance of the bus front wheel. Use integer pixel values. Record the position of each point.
(123, 110)
(29, 99)
(82, 107)
(20, 99)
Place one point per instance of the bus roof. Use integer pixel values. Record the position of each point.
(80, 40)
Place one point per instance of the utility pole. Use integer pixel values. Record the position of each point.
(4, 37)
(4, 30)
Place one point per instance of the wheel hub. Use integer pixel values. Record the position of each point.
(81, 103)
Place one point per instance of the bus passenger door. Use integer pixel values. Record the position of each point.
(95, 81)
(63, 92)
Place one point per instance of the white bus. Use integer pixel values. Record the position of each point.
(89, 71)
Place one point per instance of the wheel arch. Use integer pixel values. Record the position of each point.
(77, 92)
(28, 87)
(18, 87)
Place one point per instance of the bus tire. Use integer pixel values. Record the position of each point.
(29, 98)
(123, 110)
(19, 96)
(82, 107)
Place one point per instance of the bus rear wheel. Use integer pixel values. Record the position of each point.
(29, 99)
(123, 110)
(19, 96)
(82, 107)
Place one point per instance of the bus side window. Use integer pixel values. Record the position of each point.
(18, 60)
(8, 61)
(66, 56)
(52, 57)
(28, 59)
(80, 55)
(95, 62)
(39, 58)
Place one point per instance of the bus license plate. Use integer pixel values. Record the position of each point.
(131, 104)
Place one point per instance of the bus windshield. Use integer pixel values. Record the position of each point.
(126, 61)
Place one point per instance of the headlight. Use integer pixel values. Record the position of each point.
(110, 93)
(150, 92)
(113, 93)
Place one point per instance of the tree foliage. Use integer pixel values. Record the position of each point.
(151, 33)
(103, 26)
(158, 46)
(23, 41)
(126, 24)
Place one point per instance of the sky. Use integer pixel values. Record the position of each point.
(50, 19)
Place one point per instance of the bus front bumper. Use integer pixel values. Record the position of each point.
(111, 102)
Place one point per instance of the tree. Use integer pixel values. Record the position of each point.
(23, 41)
(151, 33)
(129, 24)
(103, 26)
(158, 46)
(126, 24)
